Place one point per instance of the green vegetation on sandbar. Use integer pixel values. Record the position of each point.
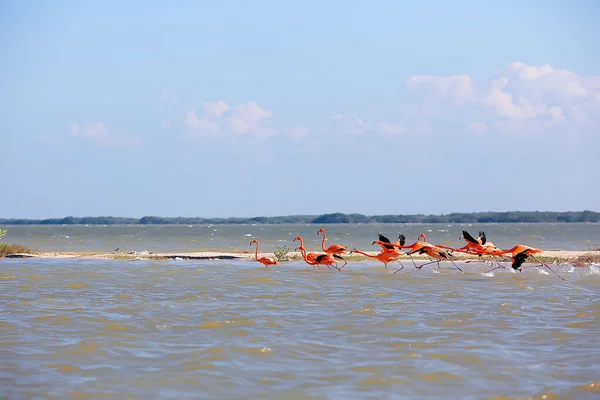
(7, 248)
(335, 218)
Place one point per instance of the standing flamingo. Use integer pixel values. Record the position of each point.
(266, 261)
(334, 248)
(520, 253)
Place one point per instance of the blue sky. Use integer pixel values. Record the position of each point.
(263, 108)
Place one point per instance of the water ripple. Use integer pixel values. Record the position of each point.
(232, 329)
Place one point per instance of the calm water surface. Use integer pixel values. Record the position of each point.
(221, 329)
(189, 238)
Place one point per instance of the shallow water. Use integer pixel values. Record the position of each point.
(231, 329)
(189, 238)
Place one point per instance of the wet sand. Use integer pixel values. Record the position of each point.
(557, 256)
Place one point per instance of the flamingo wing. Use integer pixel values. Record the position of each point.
(518, 260)
(401, 239)
(469, 238)
(482, 237)
(386, 240)
(336, 248)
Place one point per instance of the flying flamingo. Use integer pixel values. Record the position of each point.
(334, 248)
(386, 245)
(423, 247)
(479, 247)
(384, 256)
(520, 253)
(266, 261)
(316, 258)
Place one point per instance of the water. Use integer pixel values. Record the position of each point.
(231, 329)
(189, 238)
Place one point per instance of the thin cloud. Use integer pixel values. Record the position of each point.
(220, 119)
(519, 99)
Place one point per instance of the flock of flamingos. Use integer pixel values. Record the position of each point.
(390, 252)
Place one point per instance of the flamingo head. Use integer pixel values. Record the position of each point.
(320, 231)
(254, 241)
(422, 235)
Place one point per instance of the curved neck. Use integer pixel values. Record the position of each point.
(323, 241)
(256, 252)
(303, 252)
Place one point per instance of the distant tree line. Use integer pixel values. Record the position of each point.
(335, 218)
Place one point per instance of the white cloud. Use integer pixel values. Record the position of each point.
(205, 125)
(337, 117)
(520, 98)
(390, 129)
(297, 132)
(219, 119)
(98, 132)
(215, 109)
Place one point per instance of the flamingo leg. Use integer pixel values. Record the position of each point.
(427, 263)
(493, 269)
(401, 266)
(341, 258)
(457, 266)
(413, 261)
(546, 265)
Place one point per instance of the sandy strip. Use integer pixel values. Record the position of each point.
(561, 255)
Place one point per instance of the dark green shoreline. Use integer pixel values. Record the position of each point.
(335, 218)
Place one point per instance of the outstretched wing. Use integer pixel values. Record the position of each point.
(482, 237)
(386, 240)
(469, 238)
(402, 239)
(518, 260)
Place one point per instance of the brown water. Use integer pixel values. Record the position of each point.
(221, 329)
(188, 238)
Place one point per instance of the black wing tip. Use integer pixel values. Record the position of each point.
(468, 237)
(482, 237)
(402, 239)
(383, 238)
(518, 260)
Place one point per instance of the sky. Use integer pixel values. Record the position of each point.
(267, 108)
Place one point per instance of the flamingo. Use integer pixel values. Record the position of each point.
(334, 248)
(520, 253)
(266, 261)
(316, 258)
(423, 247)
(384, 256)
(385, 243)
(480, 246)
